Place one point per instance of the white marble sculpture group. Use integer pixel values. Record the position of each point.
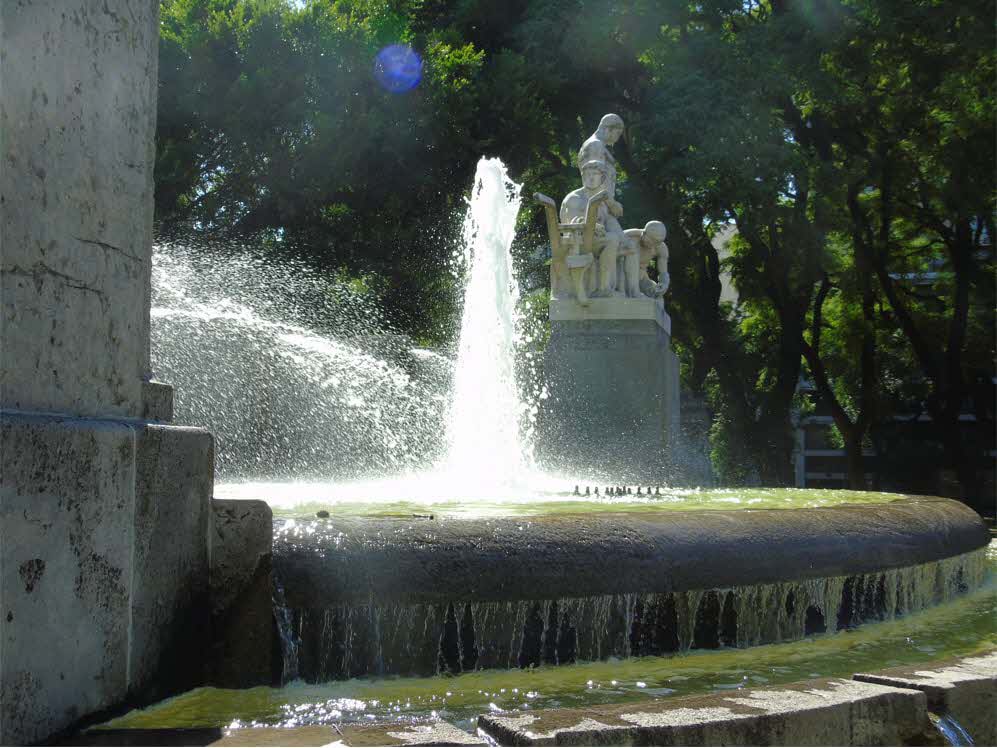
(592, 255)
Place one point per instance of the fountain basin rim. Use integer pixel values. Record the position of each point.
(350, 561)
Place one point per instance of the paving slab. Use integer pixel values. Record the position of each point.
(431, 733)
(311, 735)
(390, 734)
(964, 688)
(820, 712)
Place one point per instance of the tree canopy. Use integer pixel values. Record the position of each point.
(850, 143)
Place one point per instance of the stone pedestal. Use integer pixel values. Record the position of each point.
(613, 391)
(104, 507)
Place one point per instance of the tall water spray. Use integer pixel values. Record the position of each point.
(313, 397)
(483, 431)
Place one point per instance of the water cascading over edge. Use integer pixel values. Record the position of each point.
(484, 426)
(422, 639)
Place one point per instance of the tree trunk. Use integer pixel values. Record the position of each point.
(775, 422)
(856, 462)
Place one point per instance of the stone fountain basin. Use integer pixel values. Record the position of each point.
(431, 594)
(323, 563)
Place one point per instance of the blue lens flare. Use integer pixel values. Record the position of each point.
(398, 68)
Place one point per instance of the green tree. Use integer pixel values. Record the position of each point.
(851, 143)
(909, 114)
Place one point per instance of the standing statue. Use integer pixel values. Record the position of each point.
(598, 147)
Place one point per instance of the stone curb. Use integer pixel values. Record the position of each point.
(886, 708)
(432, 733)
(822, 712)
(819, 712)
(399, 734)
(348, 561)
(965, 689)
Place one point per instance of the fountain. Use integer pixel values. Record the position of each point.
(416, 532)
(118, 547)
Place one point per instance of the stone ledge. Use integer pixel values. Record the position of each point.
(964, 688)
(311, 735)
(821, 712)
(337, 561)
(569, 310)
(431, 733)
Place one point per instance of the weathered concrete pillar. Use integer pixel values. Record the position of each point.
(104, 507)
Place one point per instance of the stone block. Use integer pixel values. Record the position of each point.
(157, 402)
(965, 689)
(613, 400)
(78, 118)
(822, 712)
(105, 566)
(241, 594)
(170, 606)
(67, 526)
(612, 308)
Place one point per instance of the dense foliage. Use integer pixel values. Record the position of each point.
(850, 142)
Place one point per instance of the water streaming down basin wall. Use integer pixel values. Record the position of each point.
(952, 732)
(424, 639)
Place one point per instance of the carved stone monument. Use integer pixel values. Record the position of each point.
(610, 372)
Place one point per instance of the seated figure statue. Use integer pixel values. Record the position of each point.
(608, 232)
(639, 247)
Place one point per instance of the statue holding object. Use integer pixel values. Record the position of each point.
(591, 255)
(579, 235)
(640, 247)
(607, 232)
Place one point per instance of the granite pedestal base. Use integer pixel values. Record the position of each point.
(612, 380)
